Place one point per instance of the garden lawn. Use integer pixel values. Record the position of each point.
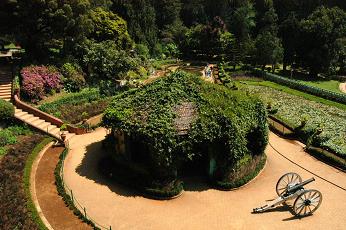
(292, 108)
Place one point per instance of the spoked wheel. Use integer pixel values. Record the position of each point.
(307, 203)
(287, 180)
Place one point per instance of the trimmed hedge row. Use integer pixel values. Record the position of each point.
(26, 180)
(327, 94)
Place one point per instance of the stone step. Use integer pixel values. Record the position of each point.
(55, 132)
(5, 86)
(44, 126)
(33, 119)
(51, 128)
(27, 117)
(5, 94)
(37, 122)
(21, 114)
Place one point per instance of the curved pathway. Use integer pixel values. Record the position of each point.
(201, 207)
(342, 87)
(51, 205)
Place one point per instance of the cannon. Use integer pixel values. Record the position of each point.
(289, 187)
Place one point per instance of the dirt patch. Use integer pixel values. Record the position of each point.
(53, 207)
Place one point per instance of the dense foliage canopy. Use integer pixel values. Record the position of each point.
(228, 125)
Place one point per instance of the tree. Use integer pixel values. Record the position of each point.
(109, 26)
(105, 61)
(268, 49)
(289, 31)
(41, 27)
(141, 18)
(242, 21)
(319, 34)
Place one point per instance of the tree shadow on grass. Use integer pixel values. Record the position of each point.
(89, 168)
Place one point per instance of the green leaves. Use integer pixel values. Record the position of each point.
(218, 117)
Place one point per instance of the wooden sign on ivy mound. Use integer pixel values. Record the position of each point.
(180, 119)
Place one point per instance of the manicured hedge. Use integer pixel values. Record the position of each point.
(333, 96)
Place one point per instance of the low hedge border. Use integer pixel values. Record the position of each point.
(327, 157)
(26, 181)
(333, 96)
(227, 186)
(67, 198)
(321, 154)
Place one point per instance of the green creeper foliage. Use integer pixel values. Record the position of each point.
(228, 125)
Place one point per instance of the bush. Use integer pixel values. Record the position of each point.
(6, 110)
(37, 81)
(74, 79)
(7, 138)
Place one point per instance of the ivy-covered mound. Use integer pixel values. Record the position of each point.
(182, 118)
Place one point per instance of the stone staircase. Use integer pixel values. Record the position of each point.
(5, 84)
(25, 112)
(41, 124)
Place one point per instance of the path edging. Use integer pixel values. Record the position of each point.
(33, 185)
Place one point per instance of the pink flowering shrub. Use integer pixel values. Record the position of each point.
(38, 81)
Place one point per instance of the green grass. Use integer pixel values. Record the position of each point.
(296, 93)
(331, 85)
(26, 181)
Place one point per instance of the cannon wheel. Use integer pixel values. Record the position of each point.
(285, 180)
(307, 203)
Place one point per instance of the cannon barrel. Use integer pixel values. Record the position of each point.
(300, 185)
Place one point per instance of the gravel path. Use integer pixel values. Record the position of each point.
(342, 87)
(201, 207)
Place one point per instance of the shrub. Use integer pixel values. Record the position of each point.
(37, 81)
(74, 79)
(6, 110)
(7, 138)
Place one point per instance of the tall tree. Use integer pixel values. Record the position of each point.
(319, 34)
(268, 49)
(141, 18)
(41, 26)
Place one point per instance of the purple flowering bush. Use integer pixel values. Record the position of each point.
(38, 81)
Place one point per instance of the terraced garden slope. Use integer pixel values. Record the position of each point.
(294, 109)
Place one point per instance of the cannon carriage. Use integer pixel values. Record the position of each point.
(291, 187)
